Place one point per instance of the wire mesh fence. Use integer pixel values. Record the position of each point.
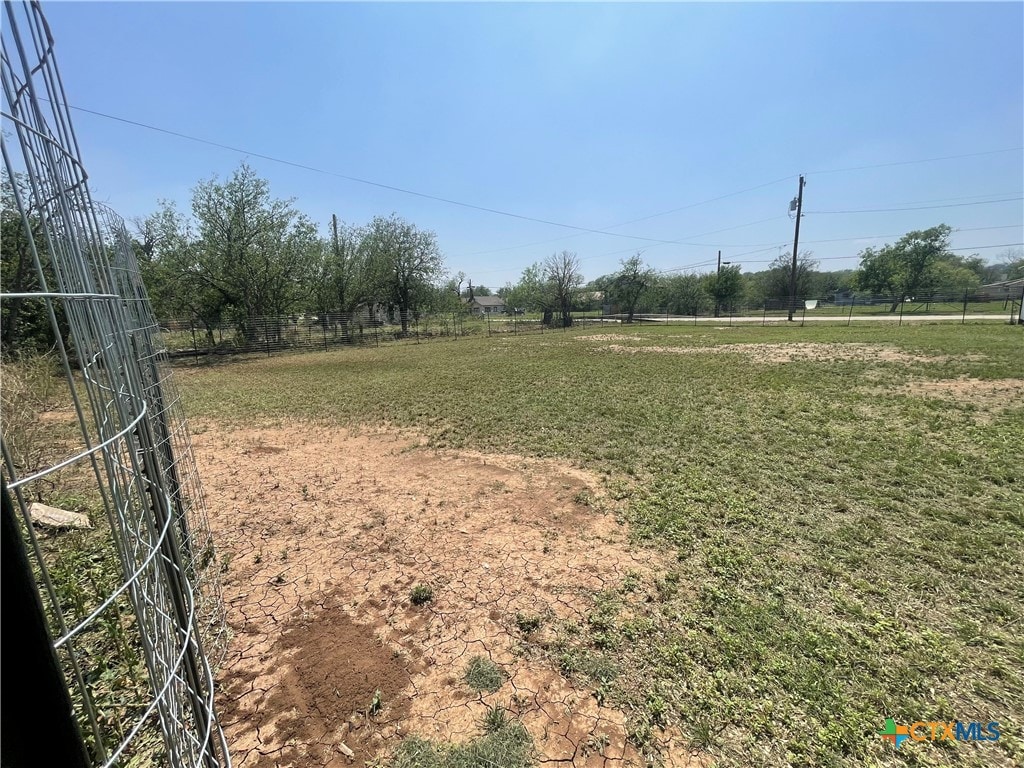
(190, 339)
(329, 330)
(97, 453)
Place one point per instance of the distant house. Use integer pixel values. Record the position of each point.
(1007, 289)
(485, 305)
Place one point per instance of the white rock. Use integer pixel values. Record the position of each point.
(55, 517)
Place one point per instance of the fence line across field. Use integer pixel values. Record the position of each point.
(268, 335)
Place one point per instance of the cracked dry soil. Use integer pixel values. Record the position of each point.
(324, 533)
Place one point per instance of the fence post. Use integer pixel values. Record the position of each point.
(853, 300)
(195, 345)
(266, 336)
(804, 315)
(764, 315)
(488, 325)
(902, 300)
(323, 329)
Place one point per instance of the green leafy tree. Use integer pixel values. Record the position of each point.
(725, 287)
(532, 293)
(628, 284)
(340, 280)
(169, 259)
(685, 295)
(405, 261)
(253, 249)
(907, 268)
(25, 326)
(478, 290)
(775, 281)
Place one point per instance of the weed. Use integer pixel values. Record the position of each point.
(376, 704)
(483, 675)
(507, 747)
(595, 744)
(495, 719)
(528, 623)
(421, 594)
(583, 498)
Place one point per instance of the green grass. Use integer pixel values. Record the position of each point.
(843, 551)
(507, 745)
(483, 675)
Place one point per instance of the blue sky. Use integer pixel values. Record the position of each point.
(584, 114)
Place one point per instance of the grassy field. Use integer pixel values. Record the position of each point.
(845, 549)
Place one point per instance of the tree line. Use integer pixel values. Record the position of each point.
(240, 255)
(919, 265)
(244, 255)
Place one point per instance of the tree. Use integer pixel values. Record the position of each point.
(562, 272)
(169, 261)
(253, 250)
(909, 267)
(531, 293)
(725, 286)
(407, 262)
(776, 280)
(1010, 266)
(25, 325)
(629, 284)
(339, 276)
(477, 290)
(685, 295)
(952, 276)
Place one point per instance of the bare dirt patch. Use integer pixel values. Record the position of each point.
(324, 541)
(990, 395)
(796, 351)
(611, 337)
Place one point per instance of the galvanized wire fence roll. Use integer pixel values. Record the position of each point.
(133, 601)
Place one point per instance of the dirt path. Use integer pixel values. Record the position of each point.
(325, 533)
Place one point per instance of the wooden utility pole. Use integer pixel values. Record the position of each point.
(796, 244)
(718, 285)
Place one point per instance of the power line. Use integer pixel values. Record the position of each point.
(563, 225)
(694, 245)
(356, 179)
(914, 162)
(656, 245)
(634, 221)
(921, 208)
(823, 258)
(858, 237)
